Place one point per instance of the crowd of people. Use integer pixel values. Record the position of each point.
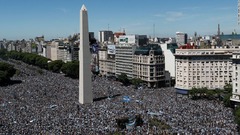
(45, 103)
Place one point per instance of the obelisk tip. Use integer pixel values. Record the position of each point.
(83, 8)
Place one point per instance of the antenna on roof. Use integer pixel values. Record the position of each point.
(153, 30)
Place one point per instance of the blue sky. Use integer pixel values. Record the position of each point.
(60, 18)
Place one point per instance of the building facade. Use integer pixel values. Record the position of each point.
(105, 36)
(236, 77)
(148, 65)
(169, 52)
(181, 38)
(238, 12)
(107, 60)
(123, 58)
(211, 68)
(133, 39)
(60, 51)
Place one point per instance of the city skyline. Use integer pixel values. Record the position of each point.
(60, 18)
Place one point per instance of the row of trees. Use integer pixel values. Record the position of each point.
(126, 81)
(6, 72)
(29, 58)
(70, 69)
(222, 94)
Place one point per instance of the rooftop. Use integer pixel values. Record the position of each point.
(144, 50)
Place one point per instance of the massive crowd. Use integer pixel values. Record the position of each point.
(45, 103)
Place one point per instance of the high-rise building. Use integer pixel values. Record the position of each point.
(105, 36)
(238, 12)
(123, 58)
(218, 32)
(181, 38)
(91, 35)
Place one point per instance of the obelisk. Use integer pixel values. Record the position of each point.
(85, 82)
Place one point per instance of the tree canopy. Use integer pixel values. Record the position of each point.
(71, 69)
(6, 71)
(123, 78)
(55, 66)
(136, 82)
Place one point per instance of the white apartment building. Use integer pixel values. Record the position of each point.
(169, 52)
(148, 65)
(211, 68)
(236, 77)
(60, 51)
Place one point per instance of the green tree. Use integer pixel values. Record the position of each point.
(227, 88)
(202, 91)
(193, 93)
(226, 100)
(42, 62)
(123, 78)
(3, 53)
(71, 69)
(210, 94)
(55, 66)
(6, 71)
(136, 82)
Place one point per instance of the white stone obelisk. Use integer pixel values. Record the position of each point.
(85, 82)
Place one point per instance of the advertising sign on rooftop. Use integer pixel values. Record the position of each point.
(111, 49)
(128, 39)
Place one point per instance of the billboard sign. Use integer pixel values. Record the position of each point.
(128, 39)
(111, 49)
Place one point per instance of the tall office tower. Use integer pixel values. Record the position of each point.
(181, 38)
(238, 12)
(85, 82)
(218, 32)
(105, 36)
